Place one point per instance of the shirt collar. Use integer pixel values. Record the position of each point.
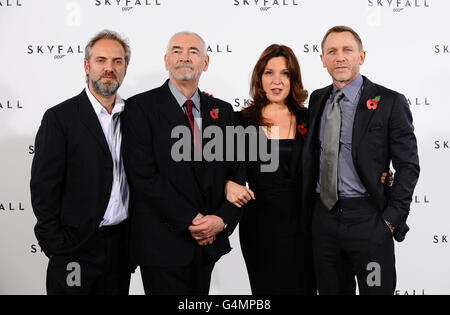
(181, 99)
(351, 90)
(98, 108)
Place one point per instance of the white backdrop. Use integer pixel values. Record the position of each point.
(41, 64)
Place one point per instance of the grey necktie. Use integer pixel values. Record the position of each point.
(330, 153)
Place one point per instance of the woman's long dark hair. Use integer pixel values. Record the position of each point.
(252, 114)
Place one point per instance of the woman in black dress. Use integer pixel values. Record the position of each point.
(275, 245)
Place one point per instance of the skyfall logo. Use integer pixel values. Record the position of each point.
(58, 51)
(219, 49)
(35, 248)
(440, 239)
(10, 3)
(399, 5)
(441, 145)
(127, 5)
(266, 5)
(419, 102)
(10, 104)
(311, 49)
(441, 49)
(241, 102)
(410, 292)
(11, 206)
(421, 199)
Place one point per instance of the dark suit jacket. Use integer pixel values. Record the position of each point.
(167, 195)
(380, 136)
(71, 176)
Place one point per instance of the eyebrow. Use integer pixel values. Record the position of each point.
(190, 48)
(346, 46)
(103, 57)
(285, 69)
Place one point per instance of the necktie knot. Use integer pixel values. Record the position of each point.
(337, 96)
(189, 104)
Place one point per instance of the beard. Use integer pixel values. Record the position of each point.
(103, 89)
(187, 76)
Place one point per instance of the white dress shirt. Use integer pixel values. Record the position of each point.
(117, 210)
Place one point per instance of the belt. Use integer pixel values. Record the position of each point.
(355, 203)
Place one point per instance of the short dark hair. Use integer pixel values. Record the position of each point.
(341, 29)
(107, 34)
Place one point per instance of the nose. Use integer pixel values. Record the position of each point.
(277, 79)
(109, 65)
(185, 57)
(340, 55)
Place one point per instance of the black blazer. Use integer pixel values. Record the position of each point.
(380, 136)
(167, 195)
(71, 176)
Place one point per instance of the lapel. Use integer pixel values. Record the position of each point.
(311, 150)
(170, 108)
(316, 113)
(363, 115)
(90, 120)
(205, 109)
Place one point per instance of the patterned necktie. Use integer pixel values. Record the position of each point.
(330, 153)
(189, 104)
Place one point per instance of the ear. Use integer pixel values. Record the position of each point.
(166, 63)
(126, 69)
(362, 57)
(86, 66)
(206, 63)
(323, 60)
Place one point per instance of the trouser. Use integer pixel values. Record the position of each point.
(352, 240)
(101, 266)
(193, 279)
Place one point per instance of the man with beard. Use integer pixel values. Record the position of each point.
(180, 219)
(79, 190)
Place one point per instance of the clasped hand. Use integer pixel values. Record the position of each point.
(204, 229)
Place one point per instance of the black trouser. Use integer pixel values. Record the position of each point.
(352, 240)
(101, 266)
(193, 279)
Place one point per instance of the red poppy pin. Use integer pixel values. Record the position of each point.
(214, 113)
(302, 129)
(373, 104)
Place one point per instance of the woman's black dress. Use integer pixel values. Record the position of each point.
(277, 251)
